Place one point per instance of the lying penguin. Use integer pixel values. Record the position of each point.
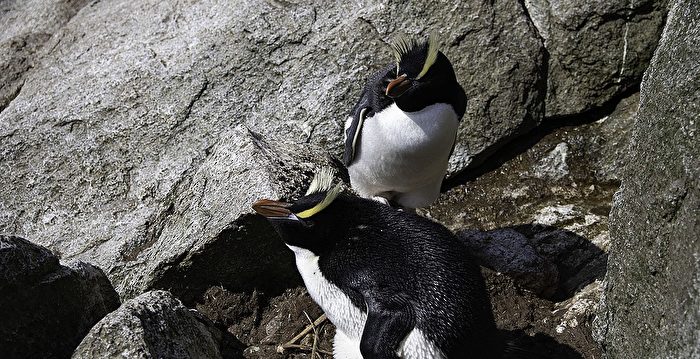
(400, 134)
(395, 285)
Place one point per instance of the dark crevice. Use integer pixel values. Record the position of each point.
(197, 96)
(11, 98)
(531, 22)
(512, 147)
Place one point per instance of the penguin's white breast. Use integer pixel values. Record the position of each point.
(410, 148)
(337, 305)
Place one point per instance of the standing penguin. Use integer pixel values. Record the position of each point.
(400, 134)
(396, 285)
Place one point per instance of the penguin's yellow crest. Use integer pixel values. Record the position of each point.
(323, 181)
(403, 45)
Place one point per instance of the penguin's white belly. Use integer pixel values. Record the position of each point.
(404, 152)
(348, 319)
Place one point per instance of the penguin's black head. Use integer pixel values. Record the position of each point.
(422, 75)
(315, 220)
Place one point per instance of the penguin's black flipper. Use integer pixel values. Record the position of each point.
(352, 134)
(388, 323)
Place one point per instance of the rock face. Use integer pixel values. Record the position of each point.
(651, 304)
(124, 123)
(25, 26)
(153, 325)
(126, 141)
(148, 231)
(47, 308)
(597, 49)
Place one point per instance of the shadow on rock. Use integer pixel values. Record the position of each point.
(245, 257)
(539, 346)
(551, 262)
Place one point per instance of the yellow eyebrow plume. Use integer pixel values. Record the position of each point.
(330, 197)
(432, 55)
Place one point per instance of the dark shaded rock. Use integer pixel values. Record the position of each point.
(609, 143)
(501, 63)
(155, 325)
(23, 262)
(651, 303)
(47, 308)
(578, 260)
(509, 251)
(597, 49)
(550, 262)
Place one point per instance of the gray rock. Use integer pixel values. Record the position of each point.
(651, 303)
(597, 49)
(509, 252)
(24, 28)
(611, 141)
(548, 261)
(553, 165)
(152, 325)
(123, 141)
(47, 308)
(23, 261)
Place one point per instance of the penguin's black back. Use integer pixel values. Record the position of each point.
(381, 251)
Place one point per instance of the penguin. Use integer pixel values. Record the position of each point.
(395, 284)
(402, 131)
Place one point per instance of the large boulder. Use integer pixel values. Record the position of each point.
(597, 49)
(651, 303)
(127, 142)
(155, 325)
(47, 308)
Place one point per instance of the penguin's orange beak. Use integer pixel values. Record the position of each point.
(398, 86)
(272, 209)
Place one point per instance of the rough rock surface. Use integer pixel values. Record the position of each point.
(651, 304)
(597, 49)
(551, 262)
(47, 308)
(125, 141)
(25, 26)
(146, 231)
(153, 325)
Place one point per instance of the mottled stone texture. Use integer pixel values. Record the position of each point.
(651, 303)
(47, 308)
(128, 142)
(25, 26)
(597, 49)
(152, 325)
